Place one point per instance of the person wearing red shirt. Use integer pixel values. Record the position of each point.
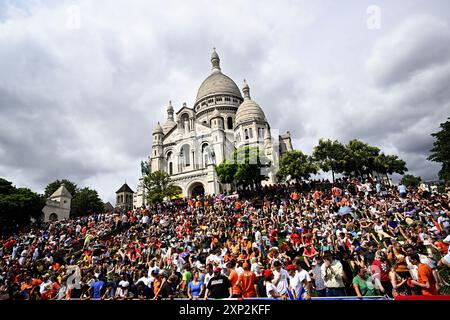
(380, 270)
(273, 237)
(309, 253)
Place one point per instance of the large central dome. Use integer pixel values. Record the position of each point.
(217, 82)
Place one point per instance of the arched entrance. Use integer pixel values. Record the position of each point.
(196, 189)
(53, 217)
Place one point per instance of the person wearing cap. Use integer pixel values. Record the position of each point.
(299, 282)
(219, 286)
(271, 289)
(248, 282)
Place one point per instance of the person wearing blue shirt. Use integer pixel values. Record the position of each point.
(97, 288)
(402, 190)
(195, 287)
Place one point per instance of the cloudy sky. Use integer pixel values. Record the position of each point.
(83, 83)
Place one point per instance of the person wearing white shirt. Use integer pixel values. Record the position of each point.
(299, 282)
(280, 278)
(271, 289)
(145, 279)
(145, 220)
(332, 275)
(256, 267)
(258, 239)
(208, 274)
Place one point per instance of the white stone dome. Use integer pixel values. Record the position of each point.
(217, 82)
(249, 110)
(158, 129)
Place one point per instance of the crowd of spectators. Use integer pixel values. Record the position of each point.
(315, 239)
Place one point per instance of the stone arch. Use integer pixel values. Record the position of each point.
(195, 188)
(185, 121)
(229, 122)
(53, 217)
(185, 154)
(169, 158)
(204, 152)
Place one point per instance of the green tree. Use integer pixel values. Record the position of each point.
(359, 159)
(411, 181)
(246, 168)
(86, 201)
(159, 186)
(296, 166)
(330, 155)
(441, 150)
(389, 164)
(53, 186)
(18, 205)
(226, 172)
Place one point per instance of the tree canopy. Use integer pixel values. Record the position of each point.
(296, 166)
(411, 181)
(18, 205)
(247, 167)
(330, 155)
(86, 201)
(159, 186)
(441, 150)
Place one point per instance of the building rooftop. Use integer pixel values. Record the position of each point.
(125, 188)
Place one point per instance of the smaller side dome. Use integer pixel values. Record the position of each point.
(158, 129)
(249, 110)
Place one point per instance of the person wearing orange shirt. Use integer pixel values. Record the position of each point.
(336, 192)
(425, 276)
(248, 282)
(233, 277)
(295, 196)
